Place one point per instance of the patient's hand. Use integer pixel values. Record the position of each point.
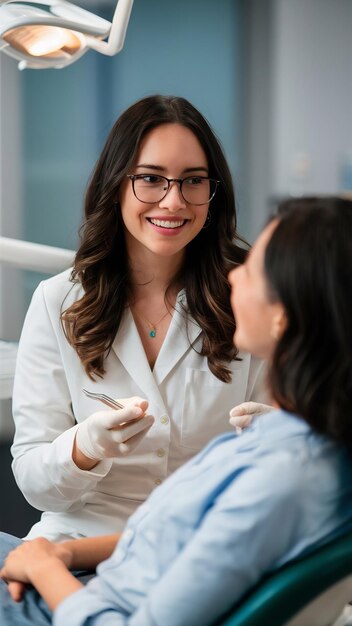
(241, 416)
(31, 556)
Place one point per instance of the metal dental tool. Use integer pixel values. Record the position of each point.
(113, 404)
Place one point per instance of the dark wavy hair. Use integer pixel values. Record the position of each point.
(308, 265)
(101, 263)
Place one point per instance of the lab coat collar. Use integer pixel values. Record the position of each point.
(178, 341)
(129, 349)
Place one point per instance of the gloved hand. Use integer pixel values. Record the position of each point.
(113, 433)
(242, 415)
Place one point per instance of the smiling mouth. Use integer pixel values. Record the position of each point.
(167, 223)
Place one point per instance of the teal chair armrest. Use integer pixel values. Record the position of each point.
(281, 595)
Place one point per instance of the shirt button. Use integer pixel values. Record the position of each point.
(164, 419)
(160, 452)
(158, 481)
(128, 534)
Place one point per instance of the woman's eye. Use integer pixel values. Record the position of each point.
(151, 179)
(194, 180)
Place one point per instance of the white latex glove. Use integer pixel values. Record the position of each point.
(112, 433)
(242, 415)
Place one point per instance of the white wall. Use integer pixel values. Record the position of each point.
(312, 80)
(298, 112)
(257, 95)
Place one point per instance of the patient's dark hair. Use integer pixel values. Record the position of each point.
(308, 265)
(101, 264)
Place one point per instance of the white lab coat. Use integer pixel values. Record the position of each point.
(189, 404)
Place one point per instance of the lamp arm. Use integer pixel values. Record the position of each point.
(50, 3)
(117, 32)
(69, 12)
(46, 2)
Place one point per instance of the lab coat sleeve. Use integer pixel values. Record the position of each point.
(44, 421)
(248, 530)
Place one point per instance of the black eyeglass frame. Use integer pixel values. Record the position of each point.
(180, 181)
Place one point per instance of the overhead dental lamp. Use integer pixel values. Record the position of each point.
(59, 33)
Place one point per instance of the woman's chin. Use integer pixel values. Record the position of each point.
(238, 341)
(242, 345)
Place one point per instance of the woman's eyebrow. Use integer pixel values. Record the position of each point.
(160, 168)
(151, 167)
(201, 168)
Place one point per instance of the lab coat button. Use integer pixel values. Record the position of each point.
(164, 419)
(160, 452)
(158, 481)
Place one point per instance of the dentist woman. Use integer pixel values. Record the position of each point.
(144, 315)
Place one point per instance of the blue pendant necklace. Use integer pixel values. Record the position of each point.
(153, 327)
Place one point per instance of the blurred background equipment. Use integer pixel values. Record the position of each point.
(26, 256)
(18, 516)
(59, 33)
(34, 256)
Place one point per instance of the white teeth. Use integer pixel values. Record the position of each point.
(167, 223)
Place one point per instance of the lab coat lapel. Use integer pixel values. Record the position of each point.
(178, 341)
(129, 350)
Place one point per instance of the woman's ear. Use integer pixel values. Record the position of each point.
(278, 323)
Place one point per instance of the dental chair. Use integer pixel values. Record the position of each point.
(28, 256)
(311, 591)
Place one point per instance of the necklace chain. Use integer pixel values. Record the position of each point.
(153, 327)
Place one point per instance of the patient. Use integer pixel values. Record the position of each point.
(247, 503)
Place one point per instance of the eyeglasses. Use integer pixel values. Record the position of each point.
(152, 188)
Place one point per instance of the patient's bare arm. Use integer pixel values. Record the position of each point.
(45, 565)
(87, 553)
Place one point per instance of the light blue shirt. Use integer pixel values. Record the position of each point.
(242, 507)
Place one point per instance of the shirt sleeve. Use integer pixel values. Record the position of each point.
(249, 529)
(247, 532)
(44, 421)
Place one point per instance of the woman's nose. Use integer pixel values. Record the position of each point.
(173, 201)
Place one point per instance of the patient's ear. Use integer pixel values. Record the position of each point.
(279, 323)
